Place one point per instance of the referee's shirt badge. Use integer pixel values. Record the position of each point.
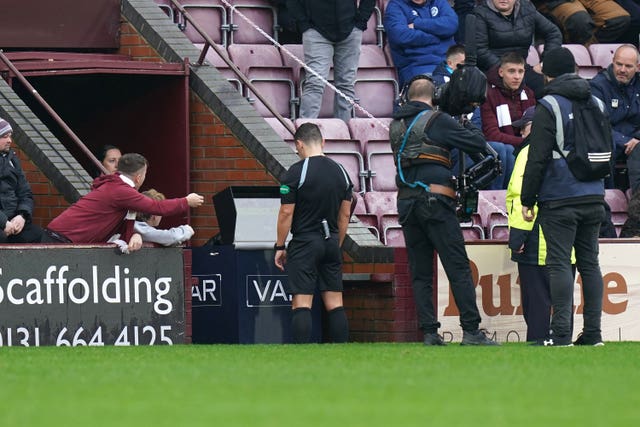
(284, 189)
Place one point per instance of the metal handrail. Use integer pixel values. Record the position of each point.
(209, 43)
(51, 112)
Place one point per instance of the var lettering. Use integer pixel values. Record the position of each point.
(271, 292)
(207, 291)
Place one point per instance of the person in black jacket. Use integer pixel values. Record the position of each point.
(16, 200)
(569, 210)
(511, 26)
(331, 30)
(422, 140)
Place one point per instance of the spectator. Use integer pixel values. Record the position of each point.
(586, 21)
(16, 199)
(569, 210)
(419, 33)
(146, 226)
(618, 87)
(632, 7)
(331, 30)
(108, 156)
(507, 99)
(462, 9)
(442, 73)
(103, 211)
(287, 33)
(511, 26)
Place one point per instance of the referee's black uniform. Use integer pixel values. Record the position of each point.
(316, 187)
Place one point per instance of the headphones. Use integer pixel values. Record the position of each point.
(403, 97)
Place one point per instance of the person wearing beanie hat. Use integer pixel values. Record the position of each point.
(5, 127)
(557, 62)
(570, 211)
(15, 193)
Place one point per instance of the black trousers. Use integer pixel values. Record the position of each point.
(429, 224)
(564, 227)
(536, 300)
(30, 233)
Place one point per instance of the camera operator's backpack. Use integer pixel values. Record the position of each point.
(591, 156)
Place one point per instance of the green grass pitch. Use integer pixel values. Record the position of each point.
(321, 385)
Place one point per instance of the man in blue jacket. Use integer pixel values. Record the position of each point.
(618, 86)
(419, 34)
(569, 210)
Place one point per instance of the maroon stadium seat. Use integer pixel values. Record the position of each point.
(215, 60)
(263, 67)
(617, 201)
(211, 15)
(602, 53)
(261, 12)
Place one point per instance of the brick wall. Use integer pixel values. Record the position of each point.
(383, 308)
(134, 45)
(48, 202)
(218, 161)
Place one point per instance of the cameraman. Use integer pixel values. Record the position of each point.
(421, 140)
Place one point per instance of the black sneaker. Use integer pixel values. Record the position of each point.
(433, 339)
(595, 340)
(477, 337)
(555, 342)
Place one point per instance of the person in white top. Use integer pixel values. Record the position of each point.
(146, 225)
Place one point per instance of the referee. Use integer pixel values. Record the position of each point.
(315, 206)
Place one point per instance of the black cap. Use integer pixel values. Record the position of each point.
(558, 61)
(527, 117)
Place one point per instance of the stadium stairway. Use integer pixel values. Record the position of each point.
(46, 151)
(236, 112)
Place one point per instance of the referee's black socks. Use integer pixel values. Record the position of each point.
(301, 325)
(338, 325)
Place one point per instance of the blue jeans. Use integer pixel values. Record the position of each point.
(318, 54)
(578, 226)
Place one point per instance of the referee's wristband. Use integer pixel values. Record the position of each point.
(279, 247)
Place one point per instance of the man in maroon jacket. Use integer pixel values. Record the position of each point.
(107, 208)
(507, 99)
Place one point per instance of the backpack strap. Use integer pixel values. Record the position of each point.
(598, 102)
(404, 143)
(555, 106)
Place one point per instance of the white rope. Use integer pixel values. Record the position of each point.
(305, 66)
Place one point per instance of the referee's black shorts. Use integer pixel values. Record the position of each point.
(313, 262)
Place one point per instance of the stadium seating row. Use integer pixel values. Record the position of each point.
(589, 60)
(225, 26)
(278, 75)
(377, 211)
